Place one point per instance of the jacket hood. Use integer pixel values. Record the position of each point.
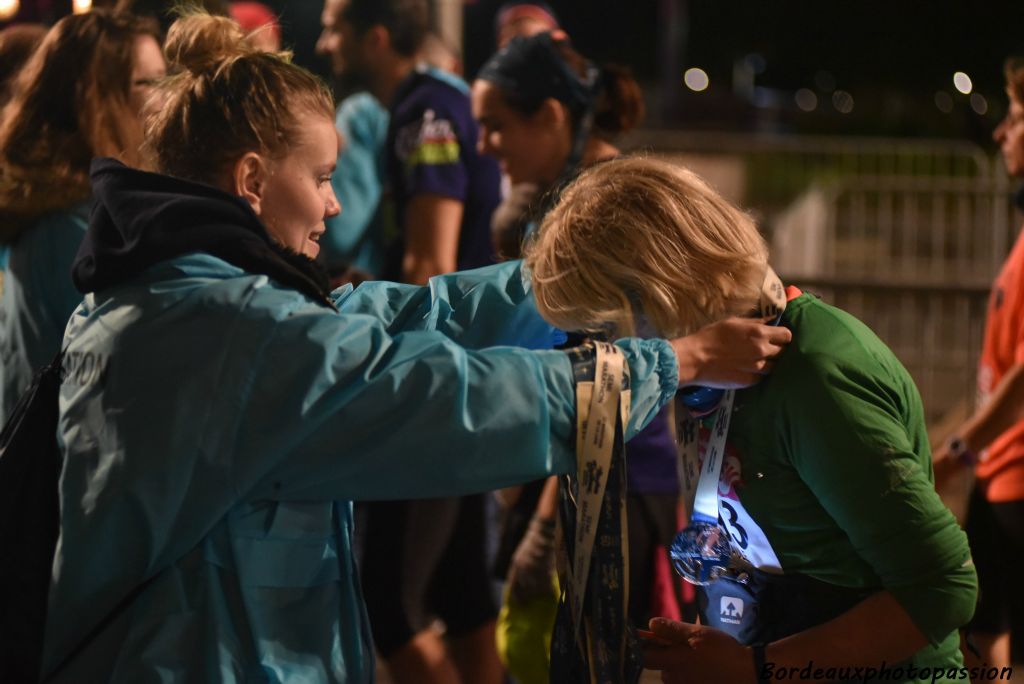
(140, 219)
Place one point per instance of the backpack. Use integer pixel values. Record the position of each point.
(30, 465)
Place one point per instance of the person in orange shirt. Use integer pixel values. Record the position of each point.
(992, 440)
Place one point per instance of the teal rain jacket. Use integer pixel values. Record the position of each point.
(38, 298)
(355, 237)
(216, 427)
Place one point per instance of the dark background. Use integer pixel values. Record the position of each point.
(891, 57)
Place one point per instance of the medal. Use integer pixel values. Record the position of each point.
(702, 552)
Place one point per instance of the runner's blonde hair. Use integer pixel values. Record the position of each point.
(642, 234)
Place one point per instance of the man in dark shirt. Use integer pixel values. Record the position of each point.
(432, 162)
(443, 192)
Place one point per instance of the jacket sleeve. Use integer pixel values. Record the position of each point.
(338, 408)
(852, 447)
(484, 307)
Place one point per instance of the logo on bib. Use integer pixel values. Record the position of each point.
(731, 609)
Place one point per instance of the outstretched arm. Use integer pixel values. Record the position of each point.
(485, 307)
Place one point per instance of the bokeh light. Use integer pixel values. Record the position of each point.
(806, 99)
(962, 82)
(696, 79)
(979, 104)
(8, 8)
(842, 101)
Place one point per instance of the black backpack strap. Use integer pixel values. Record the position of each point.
(30, 465)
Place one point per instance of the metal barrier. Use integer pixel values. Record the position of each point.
(854, 156)
(777, 169)
(914, 259)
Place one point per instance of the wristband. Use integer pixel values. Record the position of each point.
(757, 650)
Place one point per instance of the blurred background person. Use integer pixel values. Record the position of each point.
(516, 19)
(353, 246)
(426, 558)
(546, 112)
(523, 19)
(991, 441)
(79, 96)
(17, 43)
(443, 190)
(260, 22)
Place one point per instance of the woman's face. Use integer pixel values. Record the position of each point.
(297, 194)
(530, 148)
(148, 67)
(1010, 136)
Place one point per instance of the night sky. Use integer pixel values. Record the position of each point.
(895, 58)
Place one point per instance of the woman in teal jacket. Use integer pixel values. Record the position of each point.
(78, 97)
(221, 408)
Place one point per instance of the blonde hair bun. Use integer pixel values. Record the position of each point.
(201, 43)
(228, 98)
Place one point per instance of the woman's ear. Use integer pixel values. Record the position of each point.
(552, 114)
(248, 179)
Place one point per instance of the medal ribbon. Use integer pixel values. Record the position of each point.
(595, 439)
(702, 493)
(597, 646)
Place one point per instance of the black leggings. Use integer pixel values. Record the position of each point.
(422, 559)
(996, 534)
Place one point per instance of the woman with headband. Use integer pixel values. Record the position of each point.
(222, 408)
(544, 112)
(816, 532)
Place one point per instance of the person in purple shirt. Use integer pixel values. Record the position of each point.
(431, 151)
(424, 558)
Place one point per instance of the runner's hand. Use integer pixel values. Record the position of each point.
(688, 653)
